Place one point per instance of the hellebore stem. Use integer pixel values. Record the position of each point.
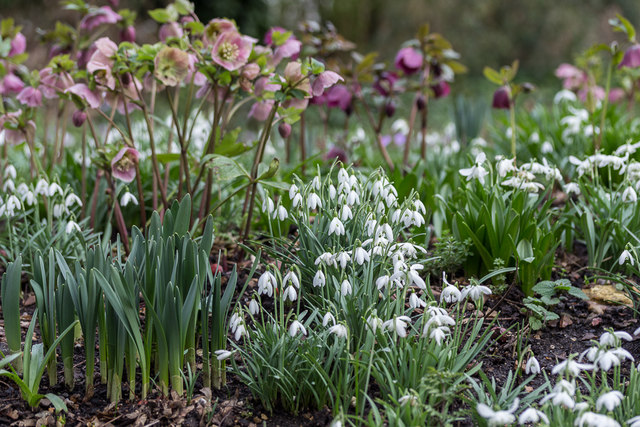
(512, 119)
(605, 105)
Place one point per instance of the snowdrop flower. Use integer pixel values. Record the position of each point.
(565, 95)
(626, 256)
(291, 277)
(533, 416)
(560, 398)
(71, 227)
(29, 198)
(475, 292)
(498, 418)
(53, 189)
(634, 422)
(570, 367)
(235, 320)
(414, 276)
(13, 204)
(328, 318)
(293, 190)
(438, 334)
(343, 176)
(313, 201)
(532, 366)
(374, 323)
(332, 192)
(450, 293)
(353, 198)
(268, 206)
(327, 258)
(546, 148)
(346, 213)
(267, 283)
(71, 200)
(613, 339)
(415, 301)
(607, 359)
(382, 282)
(336, 227)
(610, 400)
(477, 171)
(223, 354)
(343, 258)
(297, 327)
(319, 279)
(339, 330)
(591, 419)
(629, 195)
(345, 288)
(281, 213)
(290, 293)
(240, 331)
(439, 319)
(128, 198)
(505, 166)
(254, 308)
(408, 398)
(9, 186)
(42, 188)
(315, 183)
(361, 255)
(10, 172)
(398, 325)
(297, 200)
(572, 188)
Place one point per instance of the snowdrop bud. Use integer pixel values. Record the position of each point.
(58, 210)
(328, 318)
(345, 288)
(297, 327)
(293, 190)
(268, 206)
(9, 186)
(626, 256)
(42, 188)
(629, 195)
(346, 213)
(315, 183)
(71, 200)
(53, 189)
(71, 227)
(223, 354)
(532, 366)
(128, 198)
(339, 330)
(10, 172)
(332, 192)
(281, 213)
(254, 308)
(415, 301)
(319, 279)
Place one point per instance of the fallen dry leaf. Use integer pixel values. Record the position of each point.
(608, 294)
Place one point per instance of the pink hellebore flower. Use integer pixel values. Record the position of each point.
(51, 82)
(289, 49)
(293, 75)
(339, 96)
(268, 37)
(572, 77)
(169, 30)
(128, 34)
(30, 96)
(441, 89)
(231, 50)
(215, 27)
(101, 62)
(631, 57)
(597, 92)
(99, 16)
(263, 84)
(261, 109)
(324, 80)
(409, 60)
(616, 94)
(171, 66)
(336, 153)
(384, 83)
(123, 165)
(15, 136)
(11, 84)
(502, 98)
(82, 91)
(18, 45)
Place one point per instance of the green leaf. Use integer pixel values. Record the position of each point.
(225, 168)
(163, 16)
(622, 24)
(230, 146)
(493, 76)
(525, 251)
(57, 402)
(273, 168)
(184, 7)
(317, 67)
(165, 158)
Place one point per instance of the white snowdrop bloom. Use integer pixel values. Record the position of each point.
(475, 292)
(505, 166)
(607, 359)
(343, 176)
(546, 147)
(343, 189)
(328, 318)
(400, 126)
(10, 172)
(450, 294)
(398, 325)
(319, 279)
(313, 201)
(234, 322)
(415, 301)
(572, 188)
(391, 200)
(53, 189)
(332, 192)
(534, 137)
(29, 198)
(315, 183)
(476, 171)
(71, 227)
(374, 323)
(291, 277)
(634, 422)
(293, 190)
(240, 331)
(71, 200)
(419, 207)
(629, 195)
(591, 419)
(395, 216)
(533, 416)
(626, 256)
(42, 187)
(417, 219)
(267, 283)
(561, 398)
(570, 367)
(339, 330)
(280, 213)
(581, 407)
(564, 95)
(414, 276)
(408, 398)
(382, 282)
(508, 132)
(9, 186)
(498, 418)
(384, 230)
(268, 206)
(610, 400)
(361, 255)
(438, 334)
(353, 198)
(380, 208)
(10, 207)
(342, 258)
(346, 288)
(290, 294)
(613, 339)
(22, 190)
(532, 366)
(254, 308)
(327, 259)
(297, 327)
(223, 354)
(297, 200)
(345, 213)
(336, 227)
(127, 198)
(479, 142)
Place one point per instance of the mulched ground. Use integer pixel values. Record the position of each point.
(579, 323)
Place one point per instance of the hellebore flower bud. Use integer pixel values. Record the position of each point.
(502, 98)
(631, 57)
(390, 108)
(441, 90)
(421, 102)
(528, 87)
(78, 118)
(284, 129)
(409, 60)
(128, 34)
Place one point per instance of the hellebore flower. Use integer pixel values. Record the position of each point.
(293, 75)
(215, 27)
(231, 50)
(339, 96)
(78, 118)
(170, 29)
(11, 84)
(409, 60)
(171, 66)
(631, 58)
(123, 165)
(99, 16)
(128, 34)
(384, 83)
(30, 96)
(82, 91)
(51, 82)
(572, 76)
(502, 98)
(441, 89)
(261, 109)
(18, 45)
(324, 80)
(101, 62)
(336, 153)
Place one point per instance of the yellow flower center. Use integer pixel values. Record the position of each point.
(124, 164)
(228, 51)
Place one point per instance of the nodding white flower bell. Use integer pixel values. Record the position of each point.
(128, 198)
(319, 279)
(71, 227)
(313, 201)
(532, 366)
(346, 288)
(336, 227)
(297, 327)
